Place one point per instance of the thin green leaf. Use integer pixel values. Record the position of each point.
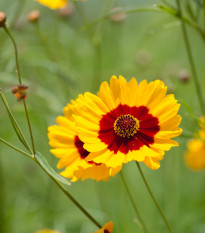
(166, 9)
(49, 170)
(14, 123)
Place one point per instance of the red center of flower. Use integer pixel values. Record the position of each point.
(128, 128)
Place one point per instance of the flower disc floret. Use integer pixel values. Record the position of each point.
(126, 126)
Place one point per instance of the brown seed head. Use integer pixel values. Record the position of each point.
(20, 91)
(118, 17)
(67, 10)
(184, 76)
(33, 16)
(2, 19)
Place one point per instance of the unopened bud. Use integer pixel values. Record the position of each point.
(118, 17)
(2, 19)
(184, 76)
(67, 10)
(33, 16)
(20, 91)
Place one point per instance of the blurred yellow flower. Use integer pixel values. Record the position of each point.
(53, 4)
(128, 121)
(108, 228)
(195, 156)
(69, 149)
(47, 231)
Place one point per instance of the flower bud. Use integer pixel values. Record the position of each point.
(20, 91)
(2, 19)
(118, 17)
(33, 16)
(67, 10)
(184, 76)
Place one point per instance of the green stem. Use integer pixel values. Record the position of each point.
(16, 149)
(71, 198)
(204, 13)
(14, 123)
(2, 199)
(18, 12)
(16, 53)
(190, 57)
(133, 204)
(29, 126)
(153, 198)
(81, 12)
(20, 82)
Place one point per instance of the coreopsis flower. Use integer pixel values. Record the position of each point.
(195, 156)
(128, 121)
(47, 231)
(53, 4)
(108, 228)
(69, 149)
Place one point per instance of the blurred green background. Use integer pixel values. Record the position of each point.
(61, 58)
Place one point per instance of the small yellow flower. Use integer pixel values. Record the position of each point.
(128, 121)
(108, 228)
(53, 4)
(69, 149)
(195, 156)
(47, 231)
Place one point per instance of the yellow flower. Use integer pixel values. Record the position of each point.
(195, 156)
(69, 149)
(53, 4)
(47, 231)
(128, 121)
(108, 228)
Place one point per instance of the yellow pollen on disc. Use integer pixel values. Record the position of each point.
(126, 126)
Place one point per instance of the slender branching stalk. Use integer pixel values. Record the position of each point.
(204, 14)
(133, 204)
(153, 198)
(191, 60)
(16, 149)
(20, 82)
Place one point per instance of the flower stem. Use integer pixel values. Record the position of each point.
(16, 53)
(15, 148)
(153, 198)
(133, 204)
(20, 82)
(2, 199)
(204, 13)
(76, 203)
(29, 126)
(191, 61)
